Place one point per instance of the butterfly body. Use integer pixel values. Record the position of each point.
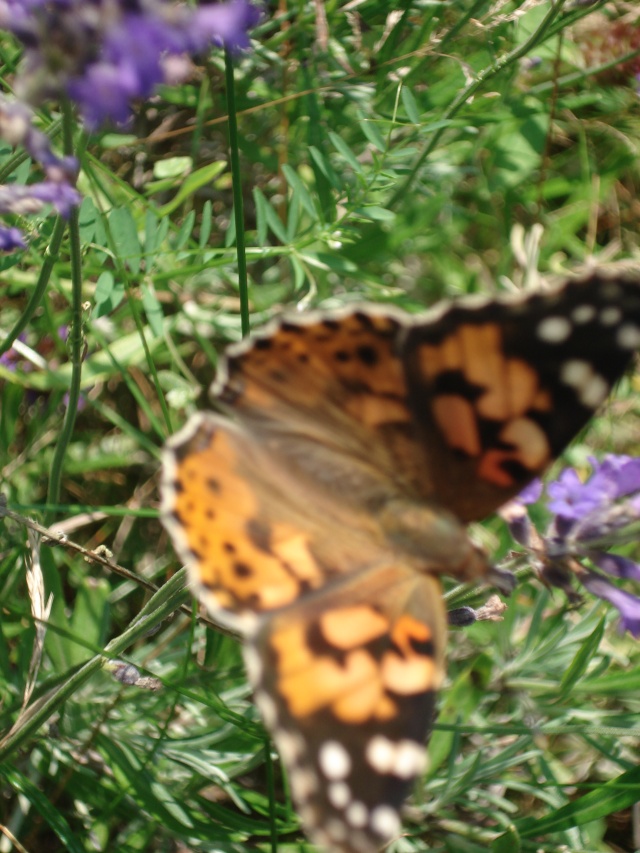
(317, 513)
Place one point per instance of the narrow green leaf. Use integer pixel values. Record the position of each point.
(152, 309)
(324, 166)
(90, 616)
(373, 211)
(155, 233)
(125, 235)
(87, 218)
(108, 294)
(410, 105)
(200, 178)
(341, 146)
(184, 234)
(299, 273)
(298, 188)
(261, 216)
(508, 842)
(172, 167)
(614, 796)
(580, 662)
(230, 233)
(205, 224)
(370, 130)
(293, 217)
(52, 817)
(325, 261)
(268, 217)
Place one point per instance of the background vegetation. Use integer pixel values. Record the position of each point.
(390, 152)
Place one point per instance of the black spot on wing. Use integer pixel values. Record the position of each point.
(368, 355)
(242, 570)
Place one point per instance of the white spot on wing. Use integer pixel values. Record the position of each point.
(628, 336)
(268, 709)
(304, 784)
(610, 316)
(334, 760)
(339, 794)
(336, 830)
(290, 746)
(252, 663)
(554, 330)
(385, 821)
(357, 814)
(404, 758)
(410, 759)
(583, 314)
(380, 753)
(591, 388)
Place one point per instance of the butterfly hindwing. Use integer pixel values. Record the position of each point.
(346, 682)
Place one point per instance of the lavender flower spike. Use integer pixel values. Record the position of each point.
(115, 50)
(591, 516)
(24, 199)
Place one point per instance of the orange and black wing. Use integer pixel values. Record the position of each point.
(346, 682)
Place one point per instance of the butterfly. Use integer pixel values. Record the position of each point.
(317, 510)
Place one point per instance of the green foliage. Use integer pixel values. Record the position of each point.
(396, 155)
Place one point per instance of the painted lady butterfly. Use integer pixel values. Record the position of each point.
(317, 513)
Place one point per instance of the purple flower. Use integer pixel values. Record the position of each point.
(12, 358)
(621, 474)
(531, 493)
(21, 199)
(105, 53)
(16, 127)
(10, 239)
(24, 357)
(616, 565)
(627, 605)
(590, 515)
(223, 24)
(572, 499)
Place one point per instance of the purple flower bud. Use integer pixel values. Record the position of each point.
(224, 24)
(519, 522)
(10, 239)
(16, 127)
(616, 565)
(63, 197)
(11, 358)
(628, 605)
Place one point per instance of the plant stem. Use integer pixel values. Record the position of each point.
(237, 194)
(76, 338)
(50, 258)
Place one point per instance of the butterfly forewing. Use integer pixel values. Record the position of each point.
(502, 388)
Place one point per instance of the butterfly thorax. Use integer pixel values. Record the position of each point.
(433, 538)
